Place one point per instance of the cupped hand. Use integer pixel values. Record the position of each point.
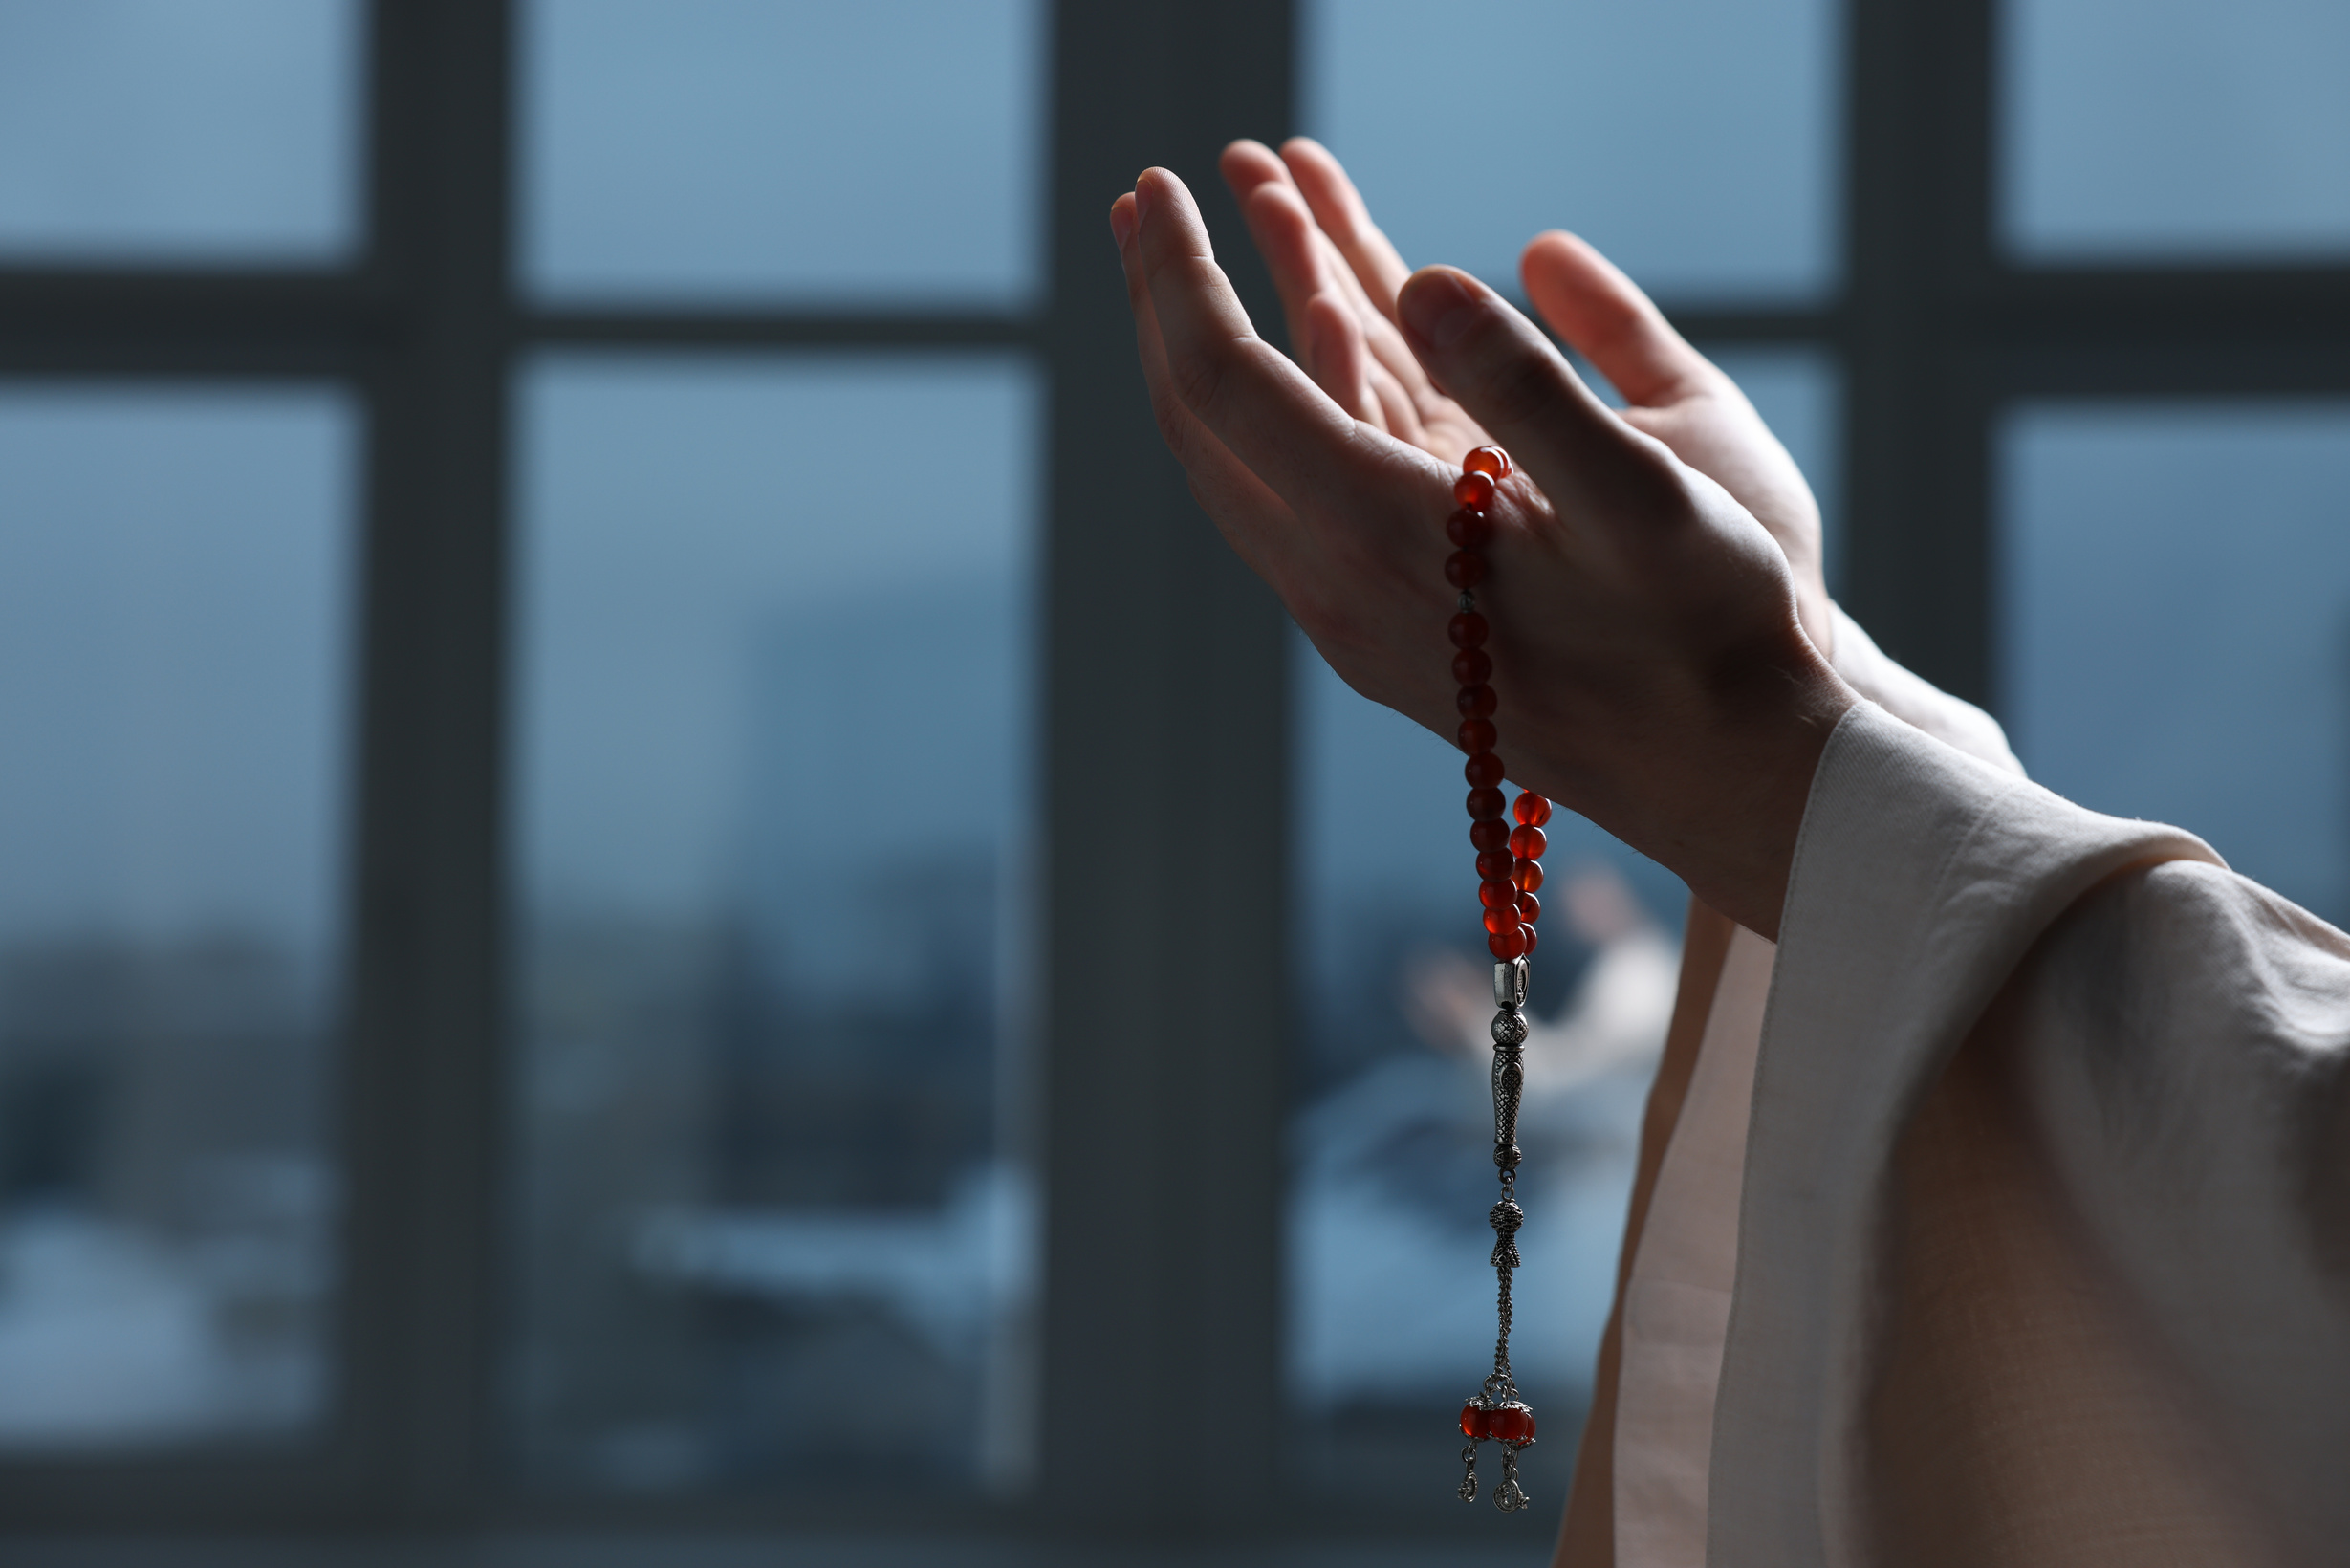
(1339, 275)
(1651, 664)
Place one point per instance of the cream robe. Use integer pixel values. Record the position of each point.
(2001, 1216)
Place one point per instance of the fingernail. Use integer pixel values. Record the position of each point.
(1439, 307)
(1121, 223)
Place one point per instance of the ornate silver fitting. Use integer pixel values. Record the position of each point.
(1510, 1496)
(1509, 985)
(1506, 1216)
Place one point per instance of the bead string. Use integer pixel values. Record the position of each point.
(1508, 871)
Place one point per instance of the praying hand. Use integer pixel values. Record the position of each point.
(1994, 1188)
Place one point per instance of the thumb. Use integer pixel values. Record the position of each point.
(1499, 367)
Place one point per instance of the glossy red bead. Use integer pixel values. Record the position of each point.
(1514, 942)
(1527, 843)
(1485, 804)
(1472, 666)
(1487, 460)
(1464, 569)
(1531, 935)
(1511, 1424)
(1476, 735)
(1530, 809)
(1529, 907)
(1498, 921)
(1496, 865)
(1476, 1421)
(1490, 837)
(1483, 768)
(1497, 893)
(1526, 874)
(1469, 528)
(1468, 630)
(1473, 489)
(1476, 701)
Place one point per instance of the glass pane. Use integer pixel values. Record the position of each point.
(173, 685)
(1693, 141)
(773, 820)
(155, 130)
(2176, 635)
(1390, 1296)
(709, 151)
(2164, 130)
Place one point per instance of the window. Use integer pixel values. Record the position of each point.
(654, 871)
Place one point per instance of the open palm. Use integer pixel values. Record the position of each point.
(1338, 276)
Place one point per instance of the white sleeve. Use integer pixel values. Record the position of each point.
(1915, 701)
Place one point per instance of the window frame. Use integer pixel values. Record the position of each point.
(1161, 1076)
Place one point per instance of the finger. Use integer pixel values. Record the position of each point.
(1254, 174)
(1503, 371)
(1603, 316)
(1294, 251)
(1306, 265)
(1247, 393)
(1338, 207)
(1243, 507)
(1341, 364)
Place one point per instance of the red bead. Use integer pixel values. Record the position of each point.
(1476, 735)
(1527, 843)
(1476, 701)
(1496, 865)
(1464, 569)
(1474, 488)
(1511, 1424)
(1528, 933)
(1471, 666)
(1469, 528)
(1526, 874)
(1514, 942)
(1475, 1422)
(1485, 804)
(1498, 921)
(1490, 460)
(1497, 894)
(1529, 907)
(1530, 809)
(1482, 769)
(1490, 837)
(1468, 630)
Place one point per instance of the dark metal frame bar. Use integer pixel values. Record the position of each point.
(1166, 742)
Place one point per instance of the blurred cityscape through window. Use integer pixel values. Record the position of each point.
(175, 651)
(773, 820)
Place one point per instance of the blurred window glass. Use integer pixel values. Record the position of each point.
(729, 151)
(159, 131)
(2175, 624)
(1694, 141)
(773, 818)
(174, 691)
(2174, 130)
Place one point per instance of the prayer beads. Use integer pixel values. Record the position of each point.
(1508, 870)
